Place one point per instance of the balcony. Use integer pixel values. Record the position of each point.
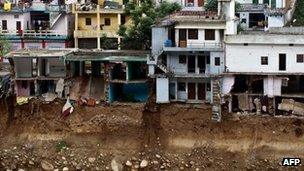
(108, 7)
(37, 34)
(94, 33)
(191, 46)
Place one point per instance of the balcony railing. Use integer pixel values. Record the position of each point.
(191, 45)
(94, 33)
(34, 33)
(95, 8)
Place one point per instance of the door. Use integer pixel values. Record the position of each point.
(282, 62)
(191, 64)
(18, 25)
(191, 91)
(201, 63)
(200, 3)
(201, 93)
(182, 35)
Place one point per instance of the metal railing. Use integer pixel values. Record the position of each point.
(94, 33)
(95, 8)
(34, 33)
(200, 45)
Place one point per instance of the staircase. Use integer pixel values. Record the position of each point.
(163, 67)
(216, 107)
(54, 17)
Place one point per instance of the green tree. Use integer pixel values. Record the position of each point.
(5, 46)
(138, 36)
(211, 5)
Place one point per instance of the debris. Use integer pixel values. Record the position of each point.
(91, 159)
(47, 166)
(91, 102)
(22, 100)
(60, 87)
(128, 163)
(116, 166)
(257, 103)
(144, 163)
(67, 109)
(290, 105)
(49, 97)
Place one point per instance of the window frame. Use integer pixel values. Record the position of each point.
(107, 21)
(301, 57)
(217, 61)
(264, 60)
(181, 86)
(207, 34)
(182, 59)
(88, 21)
(193, 34)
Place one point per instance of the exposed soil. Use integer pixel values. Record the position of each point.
(177, 137)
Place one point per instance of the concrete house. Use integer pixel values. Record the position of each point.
(264, 14)
(265, 69)
(95, 20)
(110, 76)
(36, 24)
(37, 71)
(188, 54)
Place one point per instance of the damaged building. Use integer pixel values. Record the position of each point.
(109, 75)
(99, 75)
(265, 71)
(37, 71)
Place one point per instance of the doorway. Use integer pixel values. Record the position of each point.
(282, 62)
(201, 91)
(201, 64)
(191, 64)
(191, 91)
(182, 38)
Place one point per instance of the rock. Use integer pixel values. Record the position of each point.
(92, 159)
(116, 166)
(143, 163)
(65, 169)
(128, 163)
(56, 170)
(155, 162)
(158, 156)
(136, 166)
(31, 162)
(192, 162)
(21, 170)
(47, 166)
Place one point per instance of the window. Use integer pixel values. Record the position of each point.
(4, 25)
(182, 59)
(107, 21)
(255, 1)
(181, 86)
(88, 21)
(16, 16)
(122, 19)
(209, 34)
(217, 61)
(245, 44)
(300, 58)
(266, 2)
(264, 60)
(192, 34)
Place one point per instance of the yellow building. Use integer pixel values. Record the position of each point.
(94, 21)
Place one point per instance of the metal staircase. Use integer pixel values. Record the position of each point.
(216, 107)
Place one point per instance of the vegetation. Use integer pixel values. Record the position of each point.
(211, 5)
(5, 46)
(138, 36)
(298, 15)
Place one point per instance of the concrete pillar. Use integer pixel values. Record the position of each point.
(119, 42)
(98, 28)
(119, 23)
(75, 30)
(76, 42)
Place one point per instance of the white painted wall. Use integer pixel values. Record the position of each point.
(195, 43)
(276, 21)
(12, 18)
(227, 83)
(162, 90)
(213, 68)
(240, 58)
(272, 86)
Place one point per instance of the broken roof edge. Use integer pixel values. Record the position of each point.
(47, 53)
